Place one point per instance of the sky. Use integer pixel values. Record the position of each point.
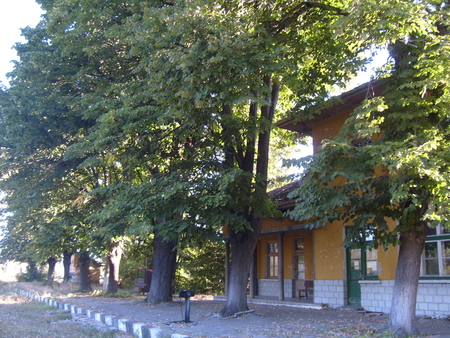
(14, 14)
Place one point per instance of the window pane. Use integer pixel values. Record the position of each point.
(431, 250)
(299, 244)
(273, 261)
(273, 248)
(372, 268)
(431, 267)
(356, 265)
(372, 255)
(355, 254)
(446, 271)
(273, 266)
(432, 231)
(446, 249)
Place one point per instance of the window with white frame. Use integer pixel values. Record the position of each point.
(272, 259)
(436, 255)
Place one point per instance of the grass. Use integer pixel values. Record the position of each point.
(22, 318)
(120, 294)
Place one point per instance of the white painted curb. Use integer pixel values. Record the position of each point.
(137, 329)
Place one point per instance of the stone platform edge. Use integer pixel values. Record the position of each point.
(137, 329)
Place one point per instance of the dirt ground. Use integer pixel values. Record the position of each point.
(22, 318)
(263, 321)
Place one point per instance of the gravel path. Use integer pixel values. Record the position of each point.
(263, 321)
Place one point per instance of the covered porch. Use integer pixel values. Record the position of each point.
(274, 301)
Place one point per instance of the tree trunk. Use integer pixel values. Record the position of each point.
(51, 271)
(66, 262)
(403, 309)
(106, 279)
(115, 255)
(84, 262)
(164, 259)
(243, 246)
(32, 271)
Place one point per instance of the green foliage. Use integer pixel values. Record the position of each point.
(201, 267)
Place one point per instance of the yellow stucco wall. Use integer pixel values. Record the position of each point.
(387, 260)
(329, 253)
(327, 129)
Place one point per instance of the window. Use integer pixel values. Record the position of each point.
(272, 259)
(436, 255)
(299, 259)
(371, 262)
(363, 262)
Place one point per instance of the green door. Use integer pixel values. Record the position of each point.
(361, 264)
(354, 275)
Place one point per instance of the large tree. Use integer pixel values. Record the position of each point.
(36, 127)
(403, 174)
(225, 67)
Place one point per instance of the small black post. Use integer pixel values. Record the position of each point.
(187, 294)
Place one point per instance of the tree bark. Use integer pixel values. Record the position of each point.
(51, 271)
(403, 309)
(66, 262)
(164, 260)
(84, 262)
(115, 255)
(243, 246)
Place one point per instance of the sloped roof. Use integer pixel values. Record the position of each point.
(279, 196)
(346, 102)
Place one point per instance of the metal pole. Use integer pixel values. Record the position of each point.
(187, 310)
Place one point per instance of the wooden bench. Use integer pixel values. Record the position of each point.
(308, 288)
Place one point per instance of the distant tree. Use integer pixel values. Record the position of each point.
(51, 261)
(84, 262)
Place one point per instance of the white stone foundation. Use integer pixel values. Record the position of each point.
(330, 292)
(433, 297)
(269, 287)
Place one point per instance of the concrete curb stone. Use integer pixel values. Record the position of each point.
(137, 329)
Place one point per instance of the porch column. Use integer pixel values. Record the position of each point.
(253, 276)
(280, 266)
(227, 265)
